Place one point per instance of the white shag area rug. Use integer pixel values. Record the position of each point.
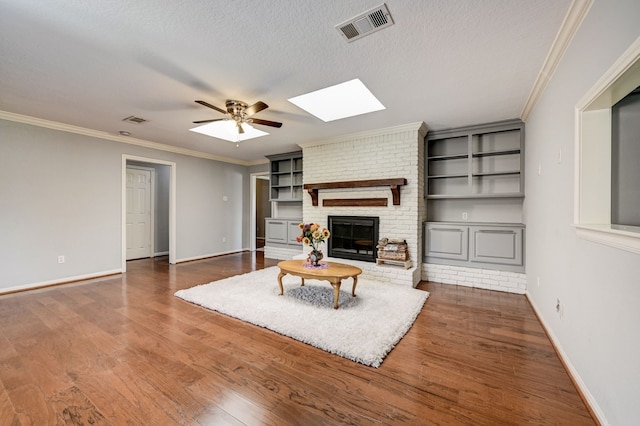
(364, 329)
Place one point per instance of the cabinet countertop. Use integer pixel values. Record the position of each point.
(517, 225)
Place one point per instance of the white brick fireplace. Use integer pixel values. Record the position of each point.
(395, 152)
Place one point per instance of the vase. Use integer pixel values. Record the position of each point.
(315, 256)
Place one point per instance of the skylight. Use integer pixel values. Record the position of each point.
(343, 100)
(226, 129)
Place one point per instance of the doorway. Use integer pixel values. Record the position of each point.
(141, 188)
(161, 206)
(260, 209)
(263, 209)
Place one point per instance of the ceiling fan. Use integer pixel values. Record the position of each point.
(240, 112)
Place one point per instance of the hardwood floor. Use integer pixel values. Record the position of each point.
(123, 350)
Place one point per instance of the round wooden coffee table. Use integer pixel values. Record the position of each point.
(334, 273)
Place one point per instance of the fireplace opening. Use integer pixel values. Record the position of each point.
(353, 237)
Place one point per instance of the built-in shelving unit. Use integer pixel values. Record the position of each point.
(474, 186)
(286, 177)
(484, 161)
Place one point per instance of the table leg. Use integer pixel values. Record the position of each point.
(355, 282)
(280, 275)
(336, 292)
(302, 285)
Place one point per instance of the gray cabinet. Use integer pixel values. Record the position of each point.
(293, 231)
(286, 177)
(276, 231)
(447, 241)
(282, 232)
(501, 245)
(475, 245)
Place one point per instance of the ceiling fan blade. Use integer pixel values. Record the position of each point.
(265, 122)
(240, 129)
(255, 108)
(208, 105)
(208, 121)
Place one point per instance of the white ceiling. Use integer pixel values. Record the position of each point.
(91, 63)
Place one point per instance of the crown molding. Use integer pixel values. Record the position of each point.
(419, 127)
(25, 119)
(572, 21)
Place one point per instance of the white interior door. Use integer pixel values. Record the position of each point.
(138, 213)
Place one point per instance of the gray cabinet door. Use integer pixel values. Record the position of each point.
(293, 231)
(447, 241)
(499, 245)
(276, 231)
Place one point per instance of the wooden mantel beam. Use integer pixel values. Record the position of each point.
(394, 185)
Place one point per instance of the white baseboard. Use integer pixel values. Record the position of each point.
(575, 376)
(206, 256)
(161, 253)
(65, 280)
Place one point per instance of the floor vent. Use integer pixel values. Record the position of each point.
(135, 120)
(365, 23)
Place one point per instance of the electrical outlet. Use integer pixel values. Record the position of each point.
(559, 156)
(538, 281)
(539, 169)
(465, 216)
(559, 308)
(225, 198)
(224, 239)
(60, 259)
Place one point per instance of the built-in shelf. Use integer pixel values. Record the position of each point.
(448, 157)
(449, 176)
(286, 177)
(484, 161)
(505, 173)
(496, 153)
(393, 184)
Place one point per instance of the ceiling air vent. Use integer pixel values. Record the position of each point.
(135, 120)
(365, 23)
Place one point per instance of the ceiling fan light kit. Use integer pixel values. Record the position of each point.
(228, 131)
(236, 125)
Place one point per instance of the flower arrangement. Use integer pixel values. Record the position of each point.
(312, 235)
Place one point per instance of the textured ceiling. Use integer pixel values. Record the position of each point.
(91, 63)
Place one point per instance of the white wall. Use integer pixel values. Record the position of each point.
(60, 194)
(598, 326)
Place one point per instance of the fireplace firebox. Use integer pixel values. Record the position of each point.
(353, 237)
